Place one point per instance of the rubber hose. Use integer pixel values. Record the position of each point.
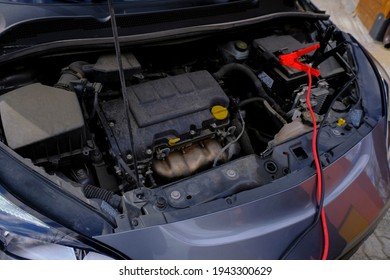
(99, 193)
(266, 105)
(228, 68)
(77, 67)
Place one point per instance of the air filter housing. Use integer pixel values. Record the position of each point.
(41, 121)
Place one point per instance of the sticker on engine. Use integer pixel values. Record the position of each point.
(267, 80)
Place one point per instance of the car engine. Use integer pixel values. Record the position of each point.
(200, 120)
(168, 115)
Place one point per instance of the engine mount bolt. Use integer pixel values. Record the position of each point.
(175, 195)
(96, 156)
(111, 124)
(118, 171)
(192, 132)
(231, 173)
(129, 157)
(80, 173)
(134, 222)
(149, 152)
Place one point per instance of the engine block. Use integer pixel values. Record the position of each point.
(167, 113)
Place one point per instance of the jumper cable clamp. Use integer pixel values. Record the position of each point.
(292, 60)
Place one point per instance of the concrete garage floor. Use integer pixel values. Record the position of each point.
(377, 246)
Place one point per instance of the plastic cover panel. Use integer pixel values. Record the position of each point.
(36, 112)
(175, 96)
(164, 109)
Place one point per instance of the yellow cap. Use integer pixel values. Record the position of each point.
(219, 112)
(341, 122)
(173, 142)
(241, 46)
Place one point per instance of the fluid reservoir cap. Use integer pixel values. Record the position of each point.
(341, 122)
(173, 142)
(241, 46)
(219, 112)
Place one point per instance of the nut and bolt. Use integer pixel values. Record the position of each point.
(111, 124)
(80, 173)
(175, 195)
(149, 152)
(118, 171)
(97, 156)
(129, 157)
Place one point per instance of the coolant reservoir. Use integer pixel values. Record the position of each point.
(235, 51)
(290, 131)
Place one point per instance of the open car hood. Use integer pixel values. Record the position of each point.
(24, 24)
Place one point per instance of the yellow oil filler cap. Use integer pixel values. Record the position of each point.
(219, 112)
(173, 142)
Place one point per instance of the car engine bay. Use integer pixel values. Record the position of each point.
(205, 118)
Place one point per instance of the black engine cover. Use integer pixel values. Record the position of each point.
(165, 109)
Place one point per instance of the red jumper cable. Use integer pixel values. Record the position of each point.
(292, 60)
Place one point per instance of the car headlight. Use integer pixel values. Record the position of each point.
(23, 236)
